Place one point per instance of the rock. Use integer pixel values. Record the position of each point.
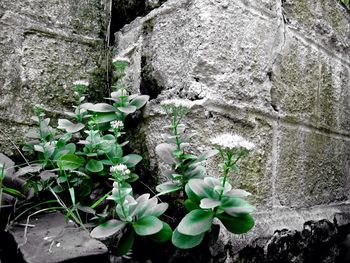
(256, 69)
(44, 48)
(264, 70)
(307, 235)
(54, 240)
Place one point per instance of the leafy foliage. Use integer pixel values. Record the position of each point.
(207, 197)
(72, 158)
(87, 150)
(183, 165)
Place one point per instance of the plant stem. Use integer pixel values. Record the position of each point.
(175, 124)
(175, 132)
(122, 200)
(228, 164)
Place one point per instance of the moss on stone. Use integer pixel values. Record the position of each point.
(299, 83)
(252, 179)
(148, 26)
(303, 11)
(327, 98)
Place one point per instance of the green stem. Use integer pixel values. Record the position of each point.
(175, 132)
(79, 117)
(122, 200)
(227, 167)
(178, 147)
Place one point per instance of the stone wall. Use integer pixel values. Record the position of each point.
(276, 72)
(44, 47)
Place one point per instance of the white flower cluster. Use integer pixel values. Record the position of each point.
(81, 82)
(117, 125)
(121, 59)
(231, 141)
(122, 169)
(177, 103)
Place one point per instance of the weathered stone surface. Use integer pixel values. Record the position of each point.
(255, 175)
(310, 86)
(125, 11)
(45, 46)
(313, 168)
(275, 72)
(54, 240)
(289, 235)
(254, 76)
(326, 23)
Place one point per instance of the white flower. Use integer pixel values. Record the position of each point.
(122, 169)
(231, 141)
(81, 82)
(177, 103)
(117, 124)
(120, 59)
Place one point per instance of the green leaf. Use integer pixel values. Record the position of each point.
(156, 210)
(165, 152)
(12, 191)
(70, 162)
(195, 172)
(163, 235)
(69, 148)
(205, 156)
(128, 109)
(131, 160)
(69, 126)
(168, 187)
(65, 138)
(139, 101)
(237, 193)
(126, 242)
(190, 205)
(94, 166)
(102, 107)
(115, 153)
(196, 222)
(200, 188)
(235, 206)
(86, 209)
(209, 203)
(72, 195)
(108, 228)
(191, 195)
(142, 204)
(185, 241)
(105, 117)
(147, 225)
(237, 224)
(132, 178)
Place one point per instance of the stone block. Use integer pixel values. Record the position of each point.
(52, 240)
(209, 56)
(45, 47)
(313, 167)
(207, 119)
(310, 86)
(324, 22)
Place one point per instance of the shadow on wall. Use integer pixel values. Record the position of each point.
(125, 11)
